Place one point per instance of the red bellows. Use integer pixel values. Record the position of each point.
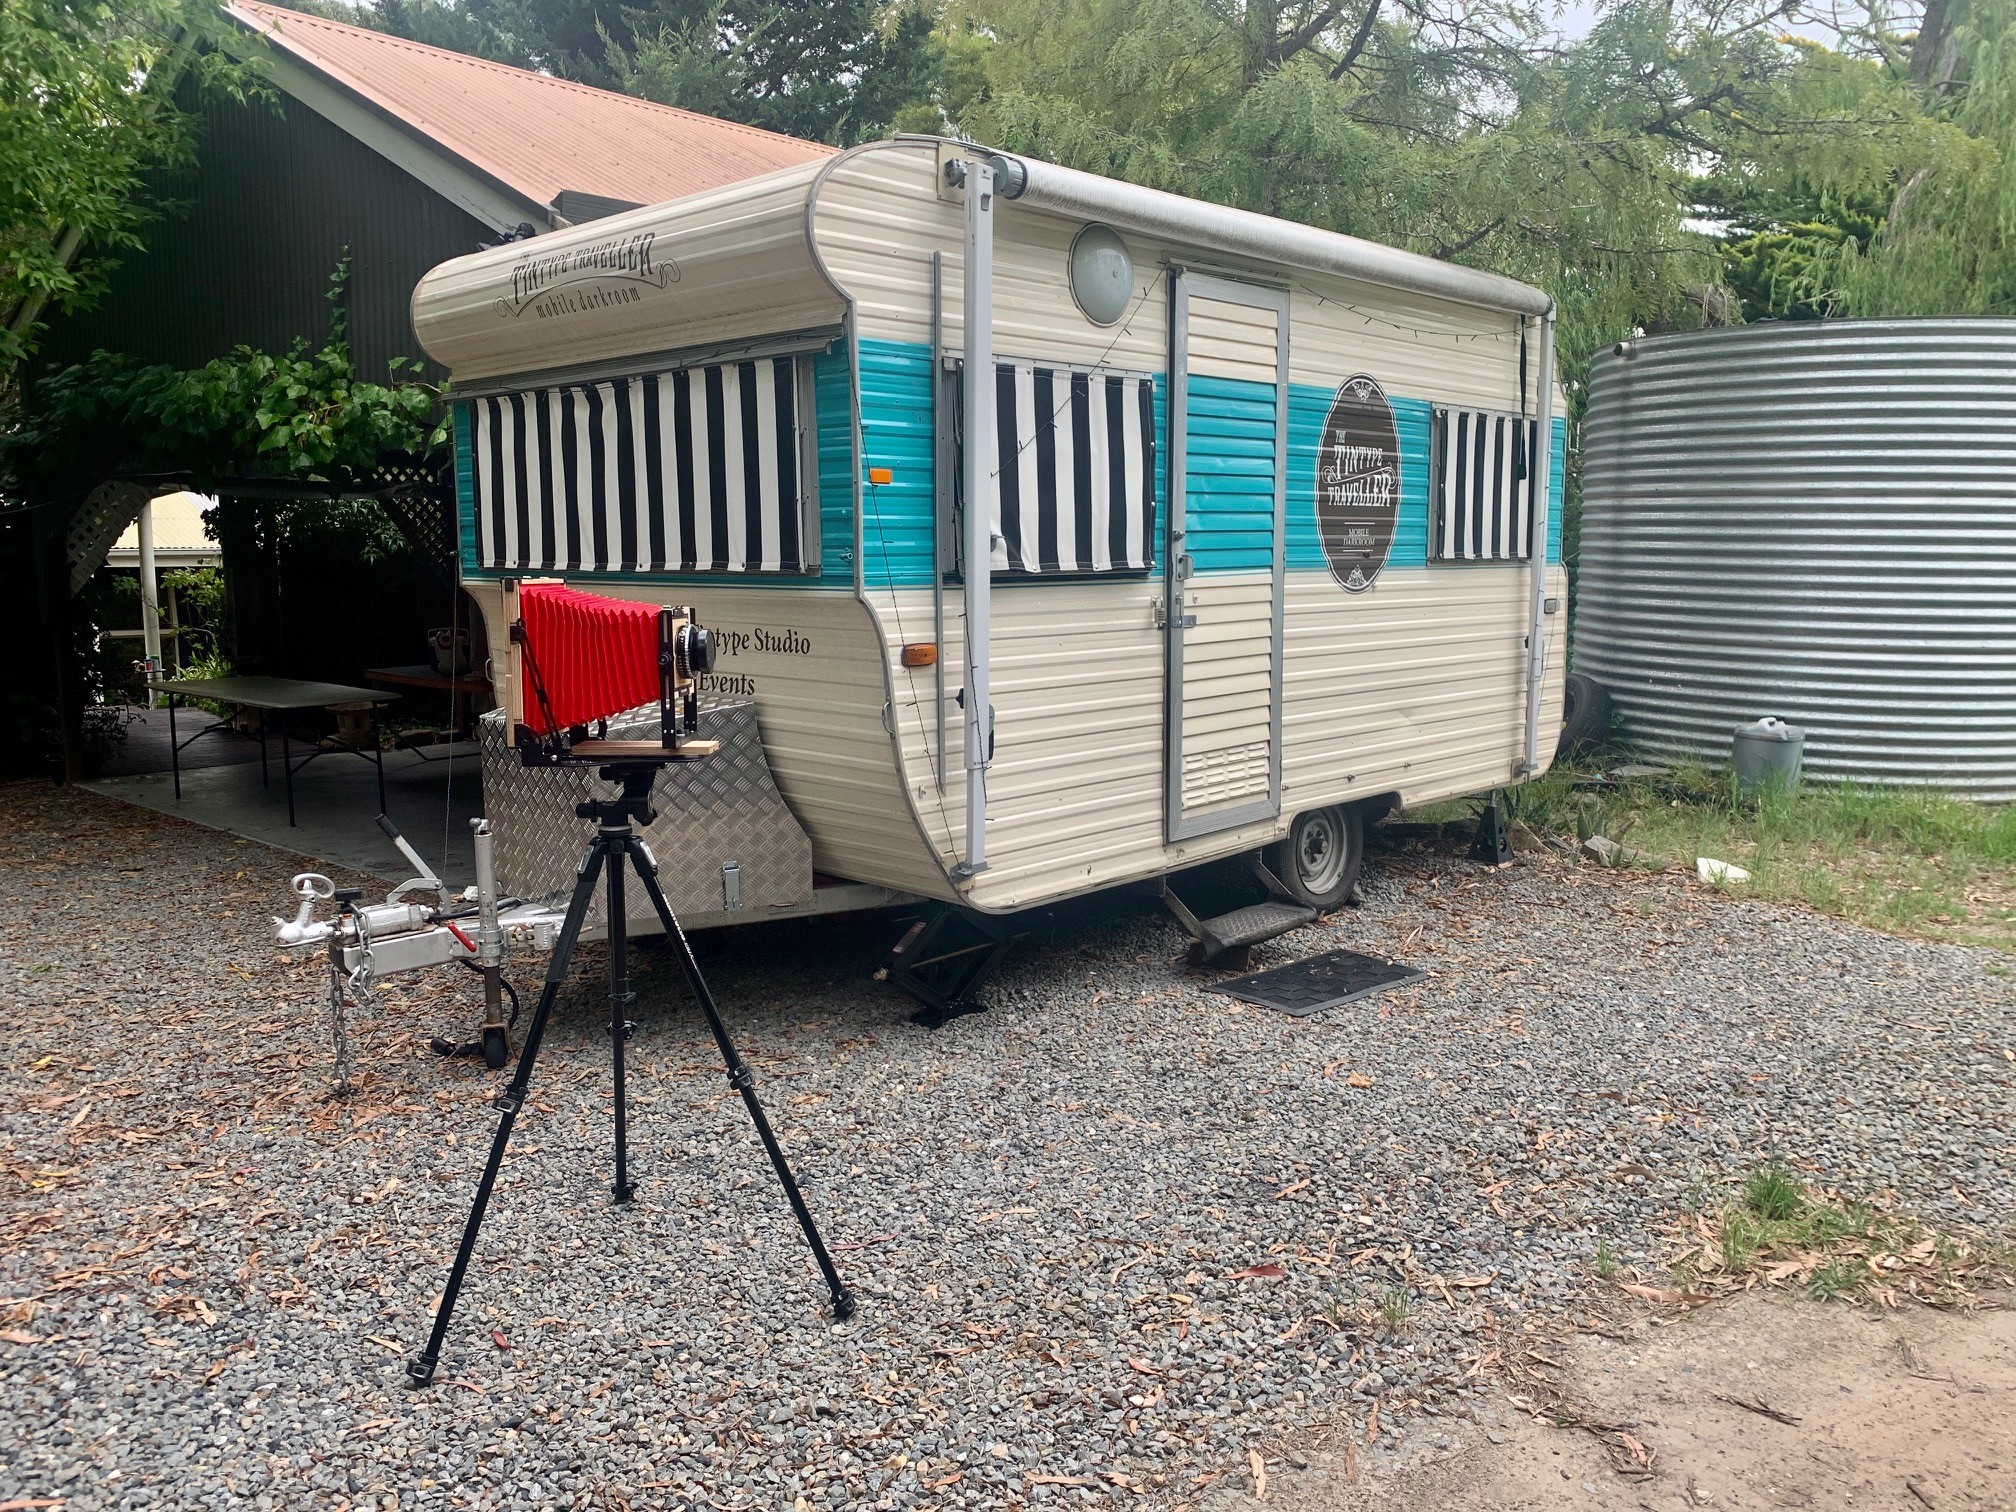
(594, 656)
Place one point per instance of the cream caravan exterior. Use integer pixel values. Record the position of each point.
(1260, 532)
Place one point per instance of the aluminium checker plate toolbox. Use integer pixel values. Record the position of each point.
(714, 814)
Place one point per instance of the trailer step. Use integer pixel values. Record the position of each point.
(1248, 926)
(1233, 934)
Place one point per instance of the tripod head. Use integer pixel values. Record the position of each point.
(634, 802)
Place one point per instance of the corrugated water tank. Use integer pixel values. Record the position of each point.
(1812, 520)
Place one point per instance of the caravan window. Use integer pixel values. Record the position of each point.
(1483, 485)
(1074, 474)
(701, 470)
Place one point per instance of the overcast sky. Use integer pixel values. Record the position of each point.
(1577, 16)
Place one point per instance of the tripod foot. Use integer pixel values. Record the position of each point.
(843, 1305)
(420, 1371)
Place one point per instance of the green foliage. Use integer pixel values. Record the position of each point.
(1910, 860)
(1465, 134)
(303, 417)
(88, 109)
(1779, 257)
(1396, 1307)
(199, 593)
(1787, 1234)
(1949, 244)
(834, 72)
(1772, 1194)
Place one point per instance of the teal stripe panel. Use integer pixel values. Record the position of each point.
(1308, 408)
(833, 405)
(1557, 482)
(1228, 474)
(897, 430)
(898, 547)
(465, 483)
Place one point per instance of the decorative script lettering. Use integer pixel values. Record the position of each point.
(598, 276)
(1358, 483)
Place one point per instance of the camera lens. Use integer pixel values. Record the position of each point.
(697, 642)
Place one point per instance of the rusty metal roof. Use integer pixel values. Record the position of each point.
(532, 133)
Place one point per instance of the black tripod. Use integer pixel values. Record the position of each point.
(613, 842)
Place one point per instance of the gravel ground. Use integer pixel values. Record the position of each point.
(1105, 1237)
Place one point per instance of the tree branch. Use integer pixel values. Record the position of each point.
(1358, 40)
(1281, 49)
(1457, 248)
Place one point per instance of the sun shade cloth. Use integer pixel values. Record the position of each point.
(1075, 470)
(585, 657)
(689, 471)
(1483, 485)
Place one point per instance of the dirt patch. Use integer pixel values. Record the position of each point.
(1763, 1402)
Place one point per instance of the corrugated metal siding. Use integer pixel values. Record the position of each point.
(1816, 521)
(249, 237)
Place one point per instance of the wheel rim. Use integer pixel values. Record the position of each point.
(1319, 853)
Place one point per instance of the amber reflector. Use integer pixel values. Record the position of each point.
(921, 654)
(881, 475)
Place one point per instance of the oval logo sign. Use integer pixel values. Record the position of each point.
(1358, 483)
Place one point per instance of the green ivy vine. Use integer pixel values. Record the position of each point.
(303, 417)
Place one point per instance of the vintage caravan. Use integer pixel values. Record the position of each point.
(1271, 544)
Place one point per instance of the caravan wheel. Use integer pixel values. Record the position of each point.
(1319, 860)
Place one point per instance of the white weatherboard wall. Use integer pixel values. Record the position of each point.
(1415, 687)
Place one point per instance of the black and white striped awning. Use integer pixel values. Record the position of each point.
(701, 470)
(1074, 470)
(1483, 485)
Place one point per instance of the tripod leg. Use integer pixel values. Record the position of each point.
(420, 1369)
(619, 1005)
(740, 1078)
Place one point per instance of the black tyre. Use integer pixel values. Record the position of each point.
(496, 1049)
(1319, 860)
(1585, 715)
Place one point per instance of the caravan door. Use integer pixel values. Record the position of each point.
(1228, 473)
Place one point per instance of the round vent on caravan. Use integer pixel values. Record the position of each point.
(1102, 274)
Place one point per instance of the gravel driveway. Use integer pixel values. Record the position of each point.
(1105, 1237)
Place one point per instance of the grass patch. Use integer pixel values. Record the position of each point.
(1780, 1233)
(1899, 859)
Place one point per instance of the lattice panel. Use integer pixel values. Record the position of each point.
(106, 512)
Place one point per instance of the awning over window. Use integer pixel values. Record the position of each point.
(1074, 471)
(700, 470)
(1483, 485)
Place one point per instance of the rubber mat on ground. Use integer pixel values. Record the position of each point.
(1324, 981)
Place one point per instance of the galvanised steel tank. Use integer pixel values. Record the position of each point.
(1813, 520)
